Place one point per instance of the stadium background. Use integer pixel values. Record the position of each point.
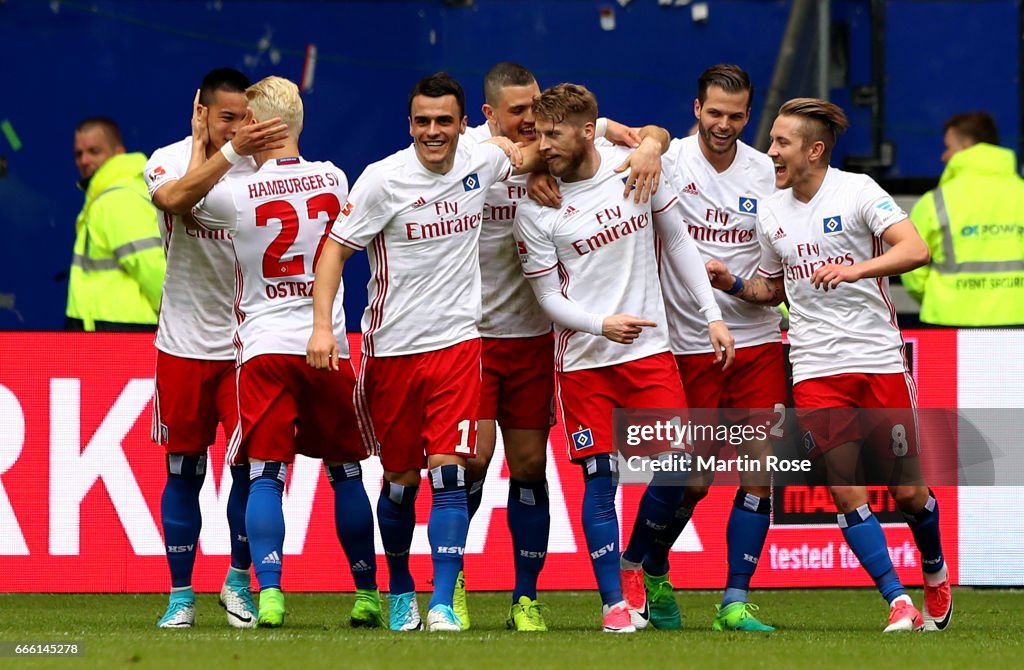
(79, 481)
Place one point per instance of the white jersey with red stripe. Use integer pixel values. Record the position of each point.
(720, 210)
(196, 315)
(421, 230)
(602, 246)
(279, 217)
(851, 328)
(508, 306)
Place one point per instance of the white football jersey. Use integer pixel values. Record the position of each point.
(508, 306)
(602, 246)
(851, 328)
(720, 210)
(196, 315)
(422, 231)
(279, 217)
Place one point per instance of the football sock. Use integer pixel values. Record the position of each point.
(264, 521)
(745, 535)
(238, 497)
(182, 518)
(657, 507)
(656, 560)
(529, 522)
(925, 527)
(474, 496)
(447, 529)
(601, 525)
(353, 521)
(864, 535)
(396, 516)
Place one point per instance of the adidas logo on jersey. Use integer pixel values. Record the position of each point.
(419, 202)
(273, 558)
(691, 189)
(779, 234)
(569, 211)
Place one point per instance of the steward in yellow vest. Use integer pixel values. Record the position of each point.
(117, 273)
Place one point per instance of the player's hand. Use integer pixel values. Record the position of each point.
(830, 276)
(723, 343)
(644, 166)
(254, 137)
(322, 350)
(543, 189)
(624, 328)
(200, 129)
(510, 148)
(621, 134)
(719, 275)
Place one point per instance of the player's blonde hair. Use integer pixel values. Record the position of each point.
(277, 97)
(567, 100)
(822, 121)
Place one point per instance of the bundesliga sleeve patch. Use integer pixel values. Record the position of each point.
(832, 225)
(524, 255)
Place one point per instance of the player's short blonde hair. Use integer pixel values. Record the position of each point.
(277, 97)
(567, 101)
(822, 121)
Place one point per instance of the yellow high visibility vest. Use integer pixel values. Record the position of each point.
(117, 272)
(973, 224)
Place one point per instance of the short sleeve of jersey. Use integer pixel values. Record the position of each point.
(671, 159)
(877, 208)
(771, 263)
(160, 169)
(536, 247)
(366, 212)
(497, 164)
(217, 210)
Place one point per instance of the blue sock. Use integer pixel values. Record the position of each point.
(601, 525)
(745, 535)
(656, 560)
(447, 529)
(474, 496)
(864, 535)
(529, 522)
(657, 507)
(264, 521)
(396, 516)
(181, 516)
(353, 522)
(238, 497)
(925, 527)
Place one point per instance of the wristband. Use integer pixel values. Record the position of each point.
(737, 287)
(601, 127)
(229, 153)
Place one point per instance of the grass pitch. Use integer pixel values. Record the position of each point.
(819, 629)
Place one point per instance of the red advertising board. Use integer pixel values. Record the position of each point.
(80, 488)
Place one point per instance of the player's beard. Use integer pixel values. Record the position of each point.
(568, 165)
(710, 140)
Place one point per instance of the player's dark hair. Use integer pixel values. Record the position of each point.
(823, 121)
(729, 78)
(975, 126)
(110, 129)
(502, 75)
(225, 79)
(566, 100)
(439, 85)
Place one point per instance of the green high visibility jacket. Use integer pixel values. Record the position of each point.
(117, 273)
(974, 226)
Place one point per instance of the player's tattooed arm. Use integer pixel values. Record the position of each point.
(757, 289)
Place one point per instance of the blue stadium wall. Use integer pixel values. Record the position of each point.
(140, 62)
